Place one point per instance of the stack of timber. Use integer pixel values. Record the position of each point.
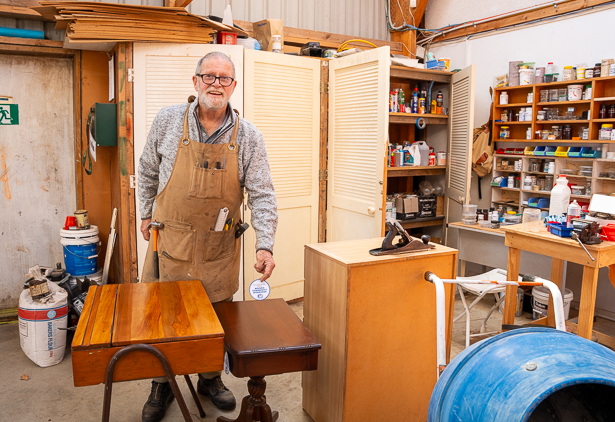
(111, 22)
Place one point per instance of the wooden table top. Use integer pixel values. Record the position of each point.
(545, 235)
(263, 327)
(123, 314)
(354, 253)
(477, 228)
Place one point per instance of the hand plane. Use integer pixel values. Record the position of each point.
(405, 244)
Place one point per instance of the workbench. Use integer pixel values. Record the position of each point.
(485, 246)
(138, 320)
(559, 249)
(375, 317)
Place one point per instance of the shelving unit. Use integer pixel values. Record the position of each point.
(402, 128)
(603, 92)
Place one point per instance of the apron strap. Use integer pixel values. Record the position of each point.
(233, 142)
(186, 134)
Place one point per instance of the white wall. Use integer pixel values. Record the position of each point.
(441, 13)
(555, 40)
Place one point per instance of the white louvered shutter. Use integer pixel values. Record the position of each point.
(282, 98)
(460, 138)
(163, 77)
(358, 128)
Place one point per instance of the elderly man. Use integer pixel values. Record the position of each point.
(198, 159)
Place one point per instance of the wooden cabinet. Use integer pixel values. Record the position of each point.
(587, 116)
(375, 317)
(360, 128)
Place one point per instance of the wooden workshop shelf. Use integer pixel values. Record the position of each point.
(513, 105)
(422, 222)
(555, 103)
(411, 118)
(415, 171)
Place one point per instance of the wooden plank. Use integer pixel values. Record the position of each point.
(410, 119)
(588, 302)
(407, 39)
(29, 41)
(400, 74)
(603, 339)
(199, 309)
(19, 12)
(78, 134)
(557, 269)
(415, 171)
(545, 12)
(426, 223)
(182, 3)
(185, 357)
(102, 328)
(322, 158)
(32, 50)
(510, 303)
(86, 314)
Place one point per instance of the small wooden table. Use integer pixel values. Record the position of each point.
(167, 328)
(264, 338)
(560, 250)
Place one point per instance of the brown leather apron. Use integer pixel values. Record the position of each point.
(188, 246)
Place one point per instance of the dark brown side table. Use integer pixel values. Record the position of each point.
(264, 338)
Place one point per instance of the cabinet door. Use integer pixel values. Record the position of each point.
(358, 130)
(163, 77)
(282, 98)
(460, 137)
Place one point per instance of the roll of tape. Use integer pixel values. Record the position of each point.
(421, 123)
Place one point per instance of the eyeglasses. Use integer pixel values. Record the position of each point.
(211, 79)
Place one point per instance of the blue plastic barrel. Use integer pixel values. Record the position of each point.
(80, 250)
(507, 377)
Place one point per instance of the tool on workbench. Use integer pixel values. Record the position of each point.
(405, 244)
(578, 239)
(155, 227)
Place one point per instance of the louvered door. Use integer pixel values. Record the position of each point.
(460, 136)
(358, 128)
(282, 98)
(163, 77)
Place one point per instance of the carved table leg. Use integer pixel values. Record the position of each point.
(254, 407)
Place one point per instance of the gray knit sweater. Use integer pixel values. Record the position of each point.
(158, 158)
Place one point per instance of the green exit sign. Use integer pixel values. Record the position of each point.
(9, 114)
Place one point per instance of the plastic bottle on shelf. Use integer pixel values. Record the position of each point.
(549, 70)
(574, 211)
(415, 100)
(439, 103)
(424, 151)
(560, 196)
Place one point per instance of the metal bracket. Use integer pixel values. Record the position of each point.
(324, 87)
(131, 75)
(133, 181)
(323, 175)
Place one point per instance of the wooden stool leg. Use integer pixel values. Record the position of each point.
(254, 407)
(167, 370)
(195, 396)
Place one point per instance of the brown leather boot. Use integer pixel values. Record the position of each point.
(159, 399)
(220, 396)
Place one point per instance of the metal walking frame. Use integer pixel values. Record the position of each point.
(558, 307)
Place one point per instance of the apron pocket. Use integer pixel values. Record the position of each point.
(176, 241)
(219, 244)
(207, 183)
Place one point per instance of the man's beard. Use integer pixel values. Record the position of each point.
(212, 103)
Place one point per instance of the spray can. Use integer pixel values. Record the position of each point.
(401, 100)
(439, 102)
(415, 100)
(421, 105)
(433, 107)
(574, 211)
(391, 102)
(395, 109)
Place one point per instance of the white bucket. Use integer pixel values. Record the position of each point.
(526, 76)
(80, 248)
(94, 278)
(540, 302)
(575, 92)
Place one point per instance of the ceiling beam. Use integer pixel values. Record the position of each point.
(401, 13)
(520, 18)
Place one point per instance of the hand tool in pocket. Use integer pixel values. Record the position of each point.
(240, 229)
(155, 227)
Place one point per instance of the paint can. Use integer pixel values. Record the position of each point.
(80, 250)
(441, 158)
(575, 92)
(526, 76)
(83, 222)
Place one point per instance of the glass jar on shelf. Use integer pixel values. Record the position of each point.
(504, 132)
(567, 132)
(605, 132)
(504, 116)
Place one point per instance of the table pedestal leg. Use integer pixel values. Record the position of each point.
(167, 370)
(512, 274)
(587, 302)
(254, 407)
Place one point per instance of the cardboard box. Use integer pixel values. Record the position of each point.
(440, 205)
(427, 206)
(265, 29)
(407, 206)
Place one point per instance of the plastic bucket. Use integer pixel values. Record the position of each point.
(540, 302)
(95, 278)
(526, 76)
(520, 374)
(575, 92)
(80, 248)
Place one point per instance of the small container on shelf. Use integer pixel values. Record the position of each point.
(504, 132)
(568, 171)
(574, 152)
(550, 151)
(509, 151)
(577, 190)
(539, 151)
(519, 151)
(560, 229)
(561, 152)
(529, 150)
(588, 152)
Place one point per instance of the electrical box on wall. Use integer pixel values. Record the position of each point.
(105, 124)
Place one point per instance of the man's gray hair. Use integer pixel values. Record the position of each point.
(215, 55)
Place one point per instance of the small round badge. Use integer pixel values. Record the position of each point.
(259, 290)
(51, 314)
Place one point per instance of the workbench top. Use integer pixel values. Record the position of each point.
(544, 234)
(354, 253)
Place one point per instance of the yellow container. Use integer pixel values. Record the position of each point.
(561, 152)
(529, 150)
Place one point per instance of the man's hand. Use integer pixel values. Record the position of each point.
(144, 229)
(264, 264)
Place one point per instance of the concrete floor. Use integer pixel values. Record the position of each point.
(49, 395)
